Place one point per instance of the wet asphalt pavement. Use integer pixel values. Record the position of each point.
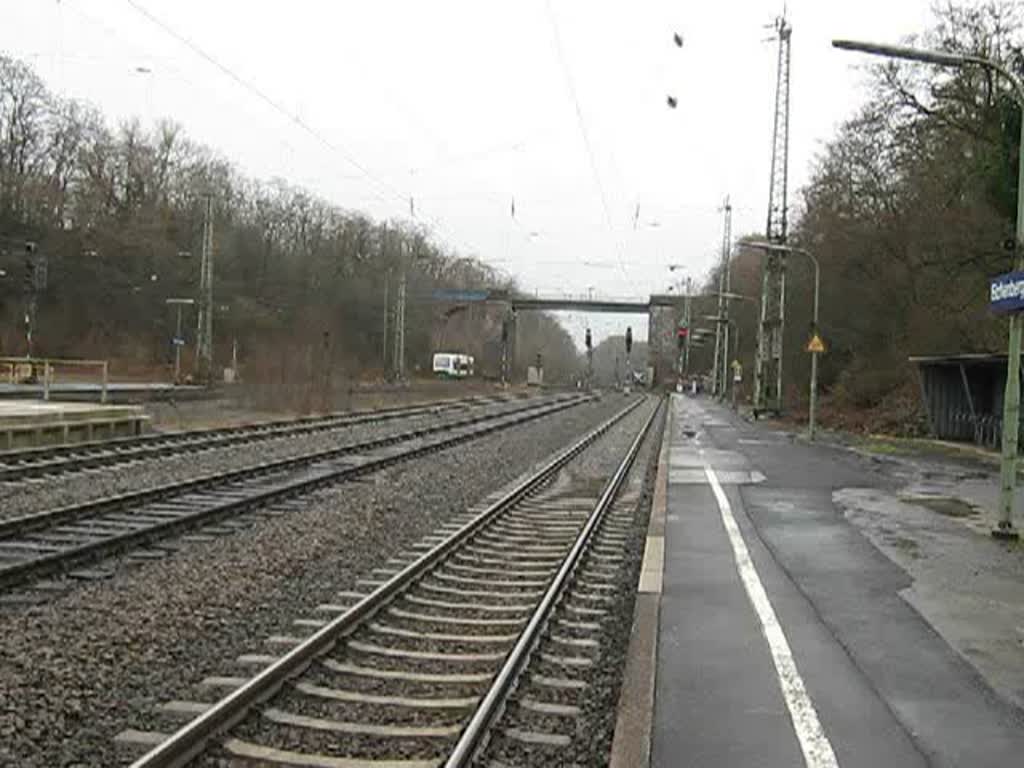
(887, 687)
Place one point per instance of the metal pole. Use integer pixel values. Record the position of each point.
(177, 349)
(204, 334)
(687, 316)
(724, 376)
(730, 371)
(717, 366)
(399, 349)
(722, 353)
(813, 406)
(1011, 402)
(30, 321)
(387, 282)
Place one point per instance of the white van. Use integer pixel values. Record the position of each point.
(453, 365)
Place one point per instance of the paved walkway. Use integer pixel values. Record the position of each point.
(784, 639)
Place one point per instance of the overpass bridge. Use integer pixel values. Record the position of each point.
(564, 303)
(663, 313)
(625, 306)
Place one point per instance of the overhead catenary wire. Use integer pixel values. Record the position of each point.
(392, 192)
(266, 99)
(570, 84)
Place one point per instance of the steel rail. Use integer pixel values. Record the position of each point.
(62, 561)
(40, 520)
(474, 735)
(190, 740)
(269, 424)
(36, 462)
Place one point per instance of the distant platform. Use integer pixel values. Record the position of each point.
(34, 423)
(122, 392)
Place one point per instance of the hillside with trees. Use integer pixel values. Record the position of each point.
(117, 211)
(909, 209)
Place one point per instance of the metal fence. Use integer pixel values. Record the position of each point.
(35, 370)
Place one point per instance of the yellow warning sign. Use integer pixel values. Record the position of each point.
(815, 344)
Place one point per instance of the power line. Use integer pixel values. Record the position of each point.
(264, 97)
(290, 116)
(586, 138)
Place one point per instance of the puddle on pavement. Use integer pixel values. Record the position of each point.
(909, 546)
(947, 506)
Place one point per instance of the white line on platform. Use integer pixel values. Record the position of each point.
(815, 744)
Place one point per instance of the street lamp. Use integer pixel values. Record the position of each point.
(784, 249)
(1011, 401)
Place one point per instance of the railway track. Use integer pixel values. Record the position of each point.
(60, 540)
(417, 669)
(16, 466)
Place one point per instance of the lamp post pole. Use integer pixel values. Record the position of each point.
(1011, 401)
(813, 408)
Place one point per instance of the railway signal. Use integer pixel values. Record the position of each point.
(30, 267)
(590, 358)
(629, 348)
(34, 281)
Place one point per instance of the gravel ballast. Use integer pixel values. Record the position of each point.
(582, 481)
(99, 658)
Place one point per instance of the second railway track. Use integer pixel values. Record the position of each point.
(416, 670)
(16, 466)
(60, 540)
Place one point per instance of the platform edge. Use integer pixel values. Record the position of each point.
(631, 744)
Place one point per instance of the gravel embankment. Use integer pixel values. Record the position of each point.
(98, 659)
(39, 494)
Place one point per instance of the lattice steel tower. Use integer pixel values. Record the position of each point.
(768, 365)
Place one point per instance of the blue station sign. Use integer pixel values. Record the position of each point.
(1006, 293)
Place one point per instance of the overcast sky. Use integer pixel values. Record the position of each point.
(466, 104)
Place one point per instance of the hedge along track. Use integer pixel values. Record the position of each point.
(16, 466)
(57, 541)
(415, 673)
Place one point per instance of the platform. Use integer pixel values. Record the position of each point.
(779, 635)
(120, 392)
(34, 424)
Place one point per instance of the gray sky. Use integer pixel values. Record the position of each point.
(465, 104)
